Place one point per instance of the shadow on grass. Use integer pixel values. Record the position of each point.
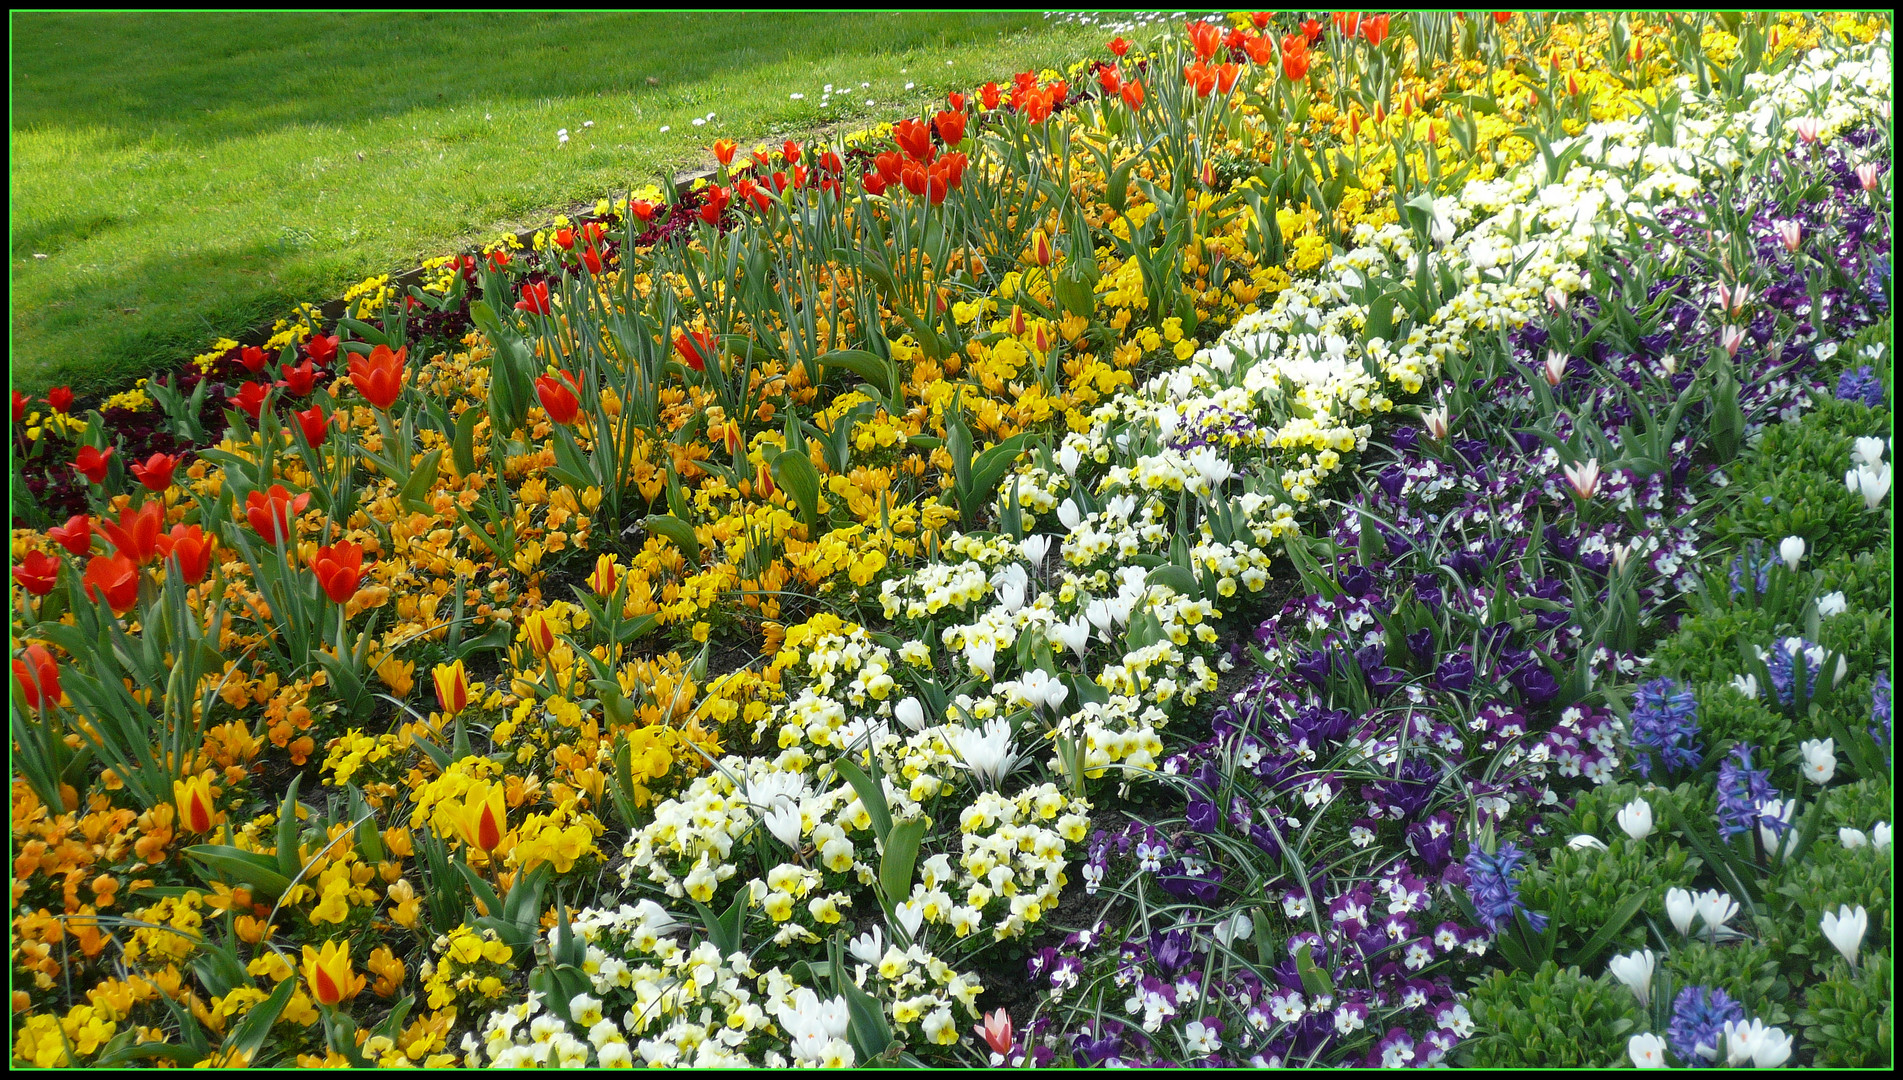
(206, 78)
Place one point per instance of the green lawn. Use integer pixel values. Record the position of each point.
(178, 177)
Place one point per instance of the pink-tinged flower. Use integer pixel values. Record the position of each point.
(1733, 298)
(1584, 479)
(1791, 234)
(1731, 338)
(1555, 367)
(1808, 128)
(1436, 420)
(1867, 175)
(996, 1032)
(1556, 297)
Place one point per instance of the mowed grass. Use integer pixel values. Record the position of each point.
(186, 176)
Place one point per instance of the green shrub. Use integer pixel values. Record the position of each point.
(1555, 1019)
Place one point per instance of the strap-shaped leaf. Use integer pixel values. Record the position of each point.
(680, 532)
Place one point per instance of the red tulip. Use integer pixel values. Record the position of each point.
(1347, 23)
(723, 151)
(560, 397)
(1119, 47)
(890, 165)
(322, 348)
(1259, 18)
(1502, 17)
(1206, 38)
(1133, 94)
(989, 95)
(251, 397)
(299, 380)
(20, 402)
(1111, 81)
(1375, 29)
(315, 425)
(1312, 30)
(93, 463)
(114, 579)
(534, 298)
(37, 573)
(191, 547)
(951, 127)
(59, 398)
(379, 376)
(136, 534)
(715, 204)
(1260, 49)
(873, 183)
(956, 100)
(591, 258)
(156, 472)
(75, 536)
(252, 358)
(38, 676)
(1226, 76)
(498, 260)
(1295, 57)
(273, 515)
(339, 569)
(914, 138)
(696, 350)
(642, 209)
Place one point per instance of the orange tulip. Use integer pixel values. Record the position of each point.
(191, 548)
(379, 376)
(114, 579)
(723, 151)
(274, 515)
(136, 533)
(914, 138)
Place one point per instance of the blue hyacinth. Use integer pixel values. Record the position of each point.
(1784, 661)
(1665, 722)
(1880, 713)
(1495, 894)
(1698, 1023)
(1742, 790)
(1860, 385)
(1755, 564)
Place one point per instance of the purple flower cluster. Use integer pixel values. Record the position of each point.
(1496, 895)
(1699, 1015)
(1665, 722)
(1742, 793)
(1790, 661)
(1860, 385)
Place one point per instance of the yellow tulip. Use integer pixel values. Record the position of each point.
(195, 810)
(485, 818)
(327, 972)
(452, 688)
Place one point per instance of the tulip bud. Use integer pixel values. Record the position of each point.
(327, 972)
(452, 688)
(605, 577)
(485, 818)
(1041, 249)
(195, 812)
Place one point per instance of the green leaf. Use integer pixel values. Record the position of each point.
(288, 862)
(1181, 579)
(901, 853)
(248, 1037)
(222, 862)
(795, 472)
(870, 794)
(680, 532)
(871, 367)
(1621, 915)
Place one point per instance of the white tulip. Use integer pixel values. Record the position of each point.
(1585, 842)
(1820, 760)
(1034, 548)
(911, 713)
(1791, 550)
(1635, 971)
(1636, 819)
(1681, 907)
(1741, 1040)
(1851, 839)
(1773, 1049)
(1869, 451)
(783, 821)
(1845, 928)
(1716, 908)
(869, 947)
(1647, 1051)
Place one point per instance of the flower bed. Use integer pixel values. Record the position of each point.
(1231, 544)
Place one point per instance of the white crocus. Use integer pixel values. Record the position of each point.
(1868, 451)
(1635, 971)
(1681, 907)
(1635, 818)
(1831, 604)
(1068, 459)
(1034, 548)
(1068, 513)
(783, 821)
(987, 751)
(911, 916)
(1741, 1040)
(1647, 1051)
(910, 713)
(1778, 810)
(1039, 689)
(868, 947)
(1880, 836)
(1820, 760)
(1773, 1049)
(1587, 842)
(1852, 839)
(1715, 908)
(1791, 550)
(1746, 685)
(1871, 483)
(1845, 928)
(1073, 635)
